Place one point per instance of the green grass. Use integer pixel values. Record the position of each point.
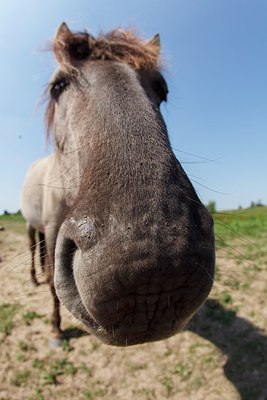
(241, 235)
(13, 222)
(250, 222)
(92, 394)
(37, 395)
(167, 382)
(12, 217)
(21, 378)
(39, 364)
(30, 316)
(225, 298)
(183, 370)
(25, 347)
(58, 367)
(7, 314)
(66, 346)
(228, 224)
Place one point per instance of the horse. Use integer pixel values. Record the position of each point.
(34, 208)
(129, 245)
(31, 209)
(42, 201)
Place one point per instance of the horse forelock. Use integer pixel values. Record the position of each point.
(116, 45)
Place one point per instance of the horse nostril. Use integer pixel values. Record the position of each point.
(70, 246)
(66, 251)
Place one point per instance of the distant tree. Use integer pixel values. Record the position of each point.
(252, 204)
(259, 203)
(211, 206)
(6, 212)
(239, 207)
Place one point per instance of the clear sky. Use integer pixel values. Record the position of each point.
(216, 53)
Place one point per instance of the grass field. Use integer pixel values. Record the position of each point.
(221, 355)
(248, 223)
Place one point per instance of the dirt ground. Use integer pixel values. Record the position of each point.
(221, 355)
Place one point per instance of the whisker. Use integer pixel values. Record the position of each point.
(206, 271)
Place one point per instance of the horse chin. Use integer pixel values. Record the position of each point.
(123, 338)
(122, 335)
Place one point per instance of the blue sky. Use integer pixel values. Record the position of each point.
(216, 57)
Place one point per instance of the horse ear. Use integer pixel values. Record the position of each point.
(60, 43)
(154, 42)
(63, 34)
(70, 47)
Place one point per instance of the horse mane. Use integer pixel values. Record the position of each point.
(49, 118)
(116, 45)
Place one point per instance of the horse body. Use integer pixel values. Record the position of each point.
(33, 192)
(42, 203)
(131, 245)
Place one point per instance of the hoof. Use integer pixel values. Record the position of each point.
(54, 343)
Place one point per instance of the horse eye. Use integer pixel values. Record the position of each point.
(161, 89)
(58, 87)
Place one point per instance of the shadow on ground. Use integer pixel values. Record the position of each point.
(243, 344)
(72, 333)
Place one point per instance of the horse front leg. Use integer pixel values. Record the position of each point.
(42, 250)
(53, 215)
(56, 318)
(32, 244)
(57, 333)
